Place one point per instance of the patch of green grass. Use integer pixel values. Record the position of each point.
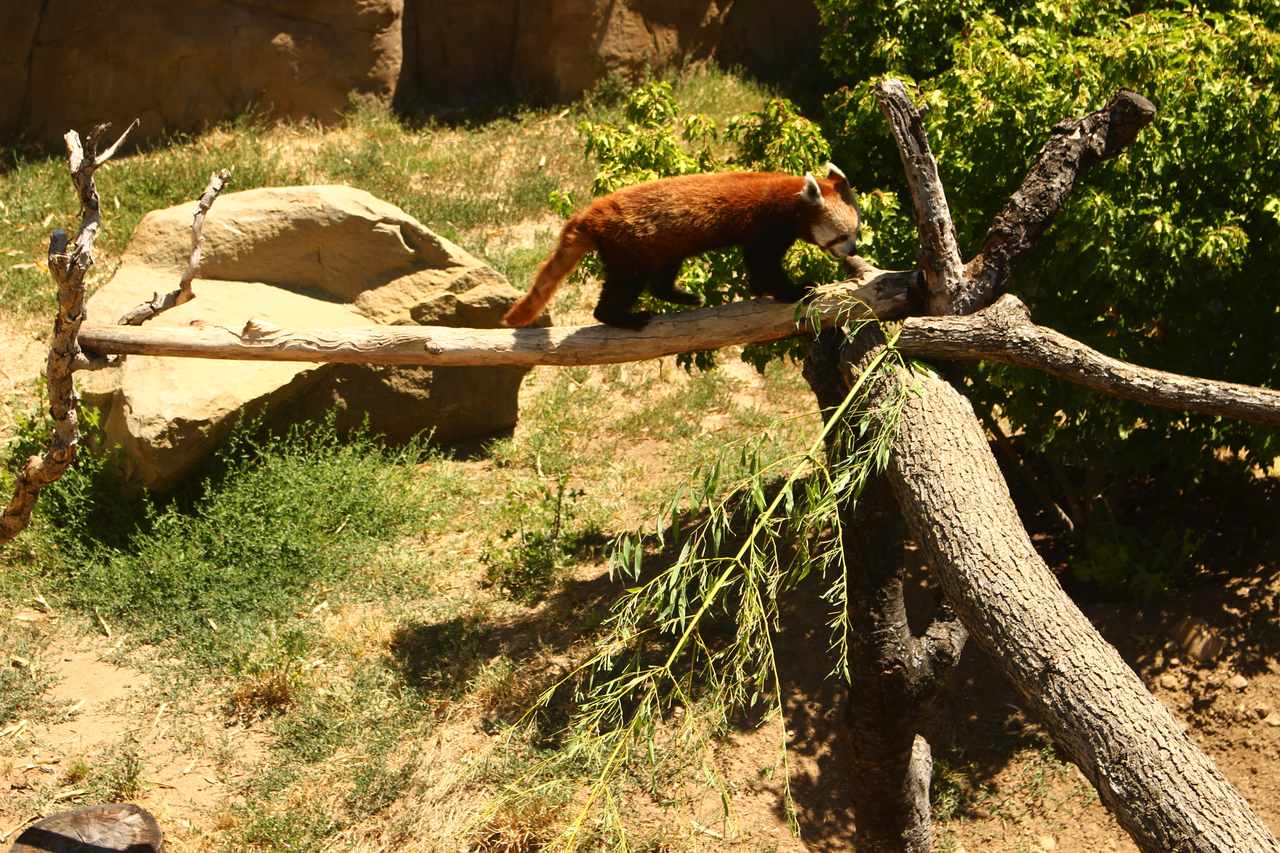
(36, 197)
(209, 568)
(435, 658)
(301, 827)
(114, 774)
(519, 264)
(21, 683)
(546, 536)
(679, 414)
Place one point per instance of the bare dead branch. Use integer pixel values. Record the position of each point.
(1004, 332)
(877, 292)
(144, 312)
(69, 262)
(939, 252)
(1074, 146)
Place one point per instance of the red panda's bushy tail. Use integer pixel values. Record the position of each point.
(574, 243)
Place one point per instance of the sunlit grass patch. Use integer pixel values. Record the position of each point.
(207, 568)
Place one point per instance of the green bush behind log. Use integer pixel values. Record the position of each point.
(1168, 257)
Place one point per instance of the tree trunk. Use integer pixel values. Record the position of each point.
(1163, 790)
(893, 675)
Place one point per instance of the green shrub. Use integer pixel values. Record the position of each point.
(1162, 256)
(542, 543)
(279, 514)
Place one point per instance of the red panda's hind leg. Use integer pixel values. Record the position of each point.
(663, 286)
(617, 297)
(765, 275)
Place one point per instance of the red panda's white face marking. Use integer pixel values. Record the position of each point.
(835, 225)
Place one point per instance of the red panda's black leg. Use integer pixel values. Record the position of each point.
(617, 297)
(663, 286)
(765, 275)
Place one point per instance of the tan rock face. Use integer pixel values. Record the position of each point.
(555, 48)
(296, 257)
(181, 66)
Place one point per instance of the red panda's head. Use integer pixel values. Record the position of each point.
(833, 224)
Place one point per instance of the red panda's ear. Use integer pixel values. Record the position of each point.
(840, 182)
(811, 192)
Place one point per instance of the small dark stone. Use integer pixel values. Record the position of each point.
(110, 828)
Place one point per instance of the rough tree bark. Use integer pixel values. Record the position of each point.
(893, 673)
(1163, 790)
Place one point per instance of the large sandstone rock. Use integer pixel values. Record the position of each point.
(296, 257)
(183, 65)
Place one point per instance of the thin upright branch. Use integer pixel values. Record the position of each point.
(1004, 332)
(142, 313)
(939, 251)
(69, 263)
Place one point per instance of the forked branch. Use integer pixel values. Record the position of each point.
(69, 263)
(1074, 146)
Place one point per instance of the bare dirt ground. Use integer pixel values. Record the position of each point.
(22, 356)
(114, 726)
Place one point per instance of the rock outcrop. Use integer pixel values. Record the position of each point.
(296, 257)
(181, 66)
(461, 50)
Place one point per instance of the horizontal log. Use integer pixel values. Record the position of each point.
(1005, 333)
(881, 293)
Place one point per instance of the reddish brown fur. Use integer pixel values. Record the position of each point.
(644, 232)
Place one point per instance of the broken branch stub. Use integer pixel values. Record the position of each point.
(939, 252)
(1074, 146)
(69, 263)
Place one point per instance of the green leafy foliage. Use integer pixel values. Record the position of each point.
(691, 643)
(1161, 257)
(543, 542)
(1126, 561)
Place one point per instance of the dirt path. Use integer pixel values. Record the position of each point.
(111, 730)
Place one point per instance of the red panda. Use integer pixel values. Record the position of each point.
(643, 234)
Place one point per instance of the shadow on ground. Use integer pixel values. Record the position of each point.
(981, 726)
